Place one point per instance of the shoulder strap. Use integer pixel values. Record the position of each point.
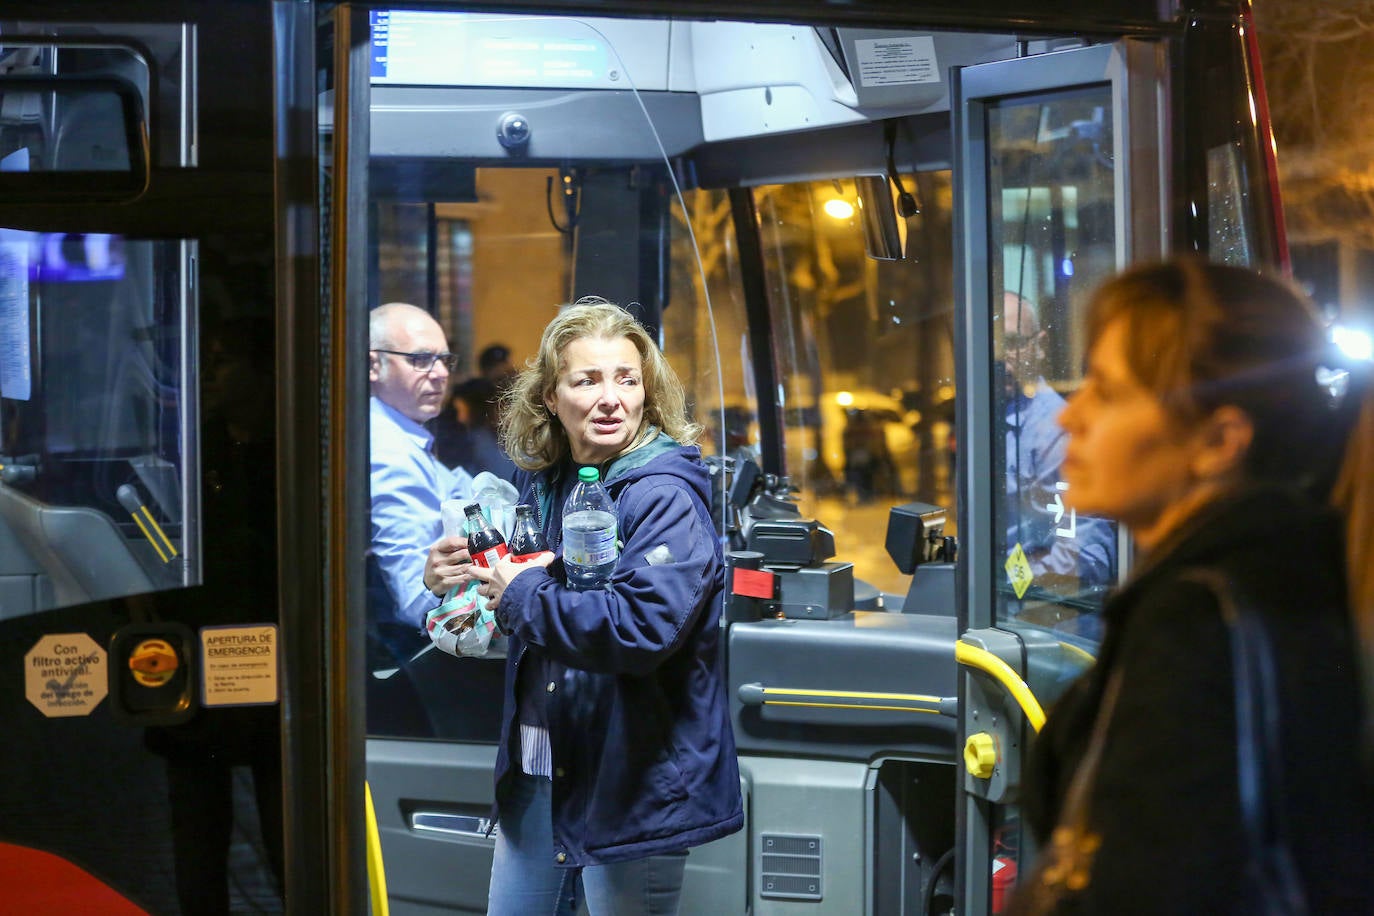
(1259, 759)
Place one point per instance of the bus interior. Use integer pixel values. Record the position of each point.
(831, 230)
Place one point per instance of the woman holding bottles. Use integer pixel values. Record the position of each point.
(616, 751)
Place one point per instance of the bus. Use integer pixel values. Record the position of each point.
(864, 234)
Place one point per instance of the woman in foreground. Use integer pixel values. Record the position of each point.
(1205, 426)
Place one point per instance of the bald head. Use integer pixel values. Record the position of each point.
(1019, 316)
(1022, 342)
(388, 322)
(395, 331)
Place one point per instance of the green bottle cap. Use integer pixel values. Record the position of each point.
(588, 475)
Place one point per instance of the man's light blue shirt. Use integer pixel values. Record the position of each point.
(1035, 450)
(408, 484)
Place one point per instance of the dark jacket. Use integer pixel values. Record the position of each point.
(639, 725)
(1165, 800)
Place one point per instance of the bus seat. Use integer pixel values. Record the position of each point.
(24, 586)
(85, 556)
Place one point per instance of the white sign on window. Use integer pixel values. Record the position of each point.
(239, 665)
(897, 61)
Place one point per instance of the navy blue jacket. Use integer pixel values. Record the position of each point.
(639, 725)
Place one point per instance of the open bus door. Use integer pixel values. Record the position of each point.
(1060, 171)
(492, 187)
(151, 690)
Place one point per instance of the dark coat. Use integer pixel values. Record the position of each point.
(1165, 800)
(639, 724)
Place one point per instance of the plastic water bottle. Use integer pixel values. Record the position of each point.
(589, 548)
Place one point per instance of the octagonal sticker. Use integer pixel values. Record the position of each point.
(64, 675)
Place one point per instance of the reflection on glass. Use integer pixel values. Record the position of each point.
(866, 425)
(1053, 200)
(1229, 217)
(96, 481)
(709, 347)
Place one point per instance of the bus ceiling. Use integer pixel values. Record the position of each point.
(701, 85)
(1103, 17)
(723, 104)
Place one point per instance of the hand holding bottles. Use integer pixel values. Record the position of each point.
(447, 564)
(495, 579)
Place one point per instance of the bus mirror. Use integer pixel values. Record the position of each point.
(97, 147)
(884, 228)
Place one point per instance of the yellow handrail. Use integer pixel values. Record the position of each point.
(969, 654)
(376, 870)
(1083, 655)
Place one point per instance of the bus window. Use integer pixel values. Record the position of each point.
(866, 362)
(99, 392)
(99, 488)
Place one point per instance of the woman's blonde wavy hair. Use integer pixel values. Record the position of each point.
(535, 439)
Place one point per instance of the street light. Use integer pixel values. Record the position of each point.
(839, 208)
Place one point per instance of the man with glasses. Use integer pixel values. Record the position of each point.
(408, 367)
(1035, 447)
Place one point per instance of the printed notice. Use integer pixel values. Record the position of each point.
(65, 675)
(897, 61)
(15, 364)
(239, 665)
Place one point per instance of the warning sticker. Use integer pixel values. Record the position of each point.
(239, 665)
(897, 61)
(1019, 571)
(65, 675)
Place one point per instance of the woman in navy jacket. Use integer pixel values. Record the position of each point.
(616, 751)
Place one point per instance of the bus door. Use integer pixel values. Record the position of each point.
(1060, 177)
(492, 169)
(141, 645)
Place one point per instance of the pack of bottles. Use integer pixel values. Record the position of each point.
(589, 533)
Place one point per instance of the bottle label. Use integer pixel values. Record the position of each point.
(522, 557)
(591, 548)
(489, 557)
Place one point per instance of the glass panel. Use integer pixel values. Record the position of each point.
(705, 334)
(1052, 195)
(866, 365)
(1229, 214)
(99, 483)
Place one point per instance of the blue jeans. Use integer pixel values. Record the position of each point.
(526, 882)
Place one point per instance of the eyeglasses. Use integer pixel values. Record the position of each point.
(1018, 341)
(424, 362)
